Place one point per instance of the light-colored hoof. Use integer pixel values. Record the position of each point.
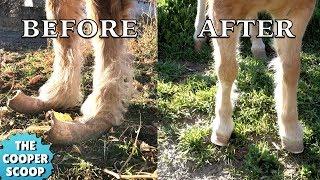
(74, 131)
(219, 139)
(26, 104)
(293, 146)
(259, 53)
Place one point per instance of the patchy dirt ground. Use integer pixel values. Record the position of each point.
(173, 165)
(26, 65)
(185, 151)
(186, 88)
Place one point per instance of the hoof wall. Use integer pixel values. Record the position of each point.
(59, 133)
(219, 139)
(74, 131)
(295, 147)
(26, 104)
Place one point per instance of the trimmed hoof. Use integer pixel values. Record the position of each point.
(76, 131)
(219, 139)
(221, 131)
(293, 146)
(259, 53)
(26, 104)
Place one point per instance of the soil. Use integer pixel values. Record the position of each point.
(172, 165)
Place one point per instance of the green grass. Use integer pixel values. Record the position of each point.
(193, 142)
(261, 162)
(110, 151)
(186, 100)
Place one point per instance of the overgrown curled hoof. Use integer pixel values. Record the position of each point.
(26, 104)
(293, 146)
(74, 131)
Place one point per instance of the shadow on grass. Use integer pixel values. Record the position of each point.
(251, 153)
(88, 159)
(111, 150)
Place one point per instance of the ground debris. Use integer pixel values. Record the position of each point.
(35, 79)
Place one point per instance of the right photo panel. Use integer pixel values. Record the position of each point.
(238, 89)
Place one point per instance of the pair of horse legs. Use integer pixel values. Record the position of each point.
(286, 66)
(112, 76)
(257, 45)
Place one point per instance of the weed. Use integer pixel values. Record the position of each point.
(186, 100)
(193, 143)
(261, 162)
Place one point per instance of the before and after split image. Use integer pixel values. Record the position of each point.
(159, 89)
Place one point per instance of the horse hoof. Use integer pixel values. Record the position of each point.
(293, 146)
(219, 139)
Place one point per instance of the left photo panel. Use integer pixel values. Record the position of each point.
(77, 89)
